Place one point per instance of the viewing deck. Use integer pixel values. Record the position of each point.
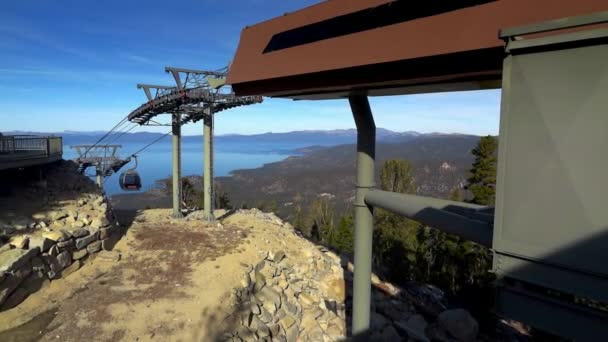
(17, 151)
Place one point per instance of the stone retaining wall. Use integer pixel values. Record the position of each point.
(304, 296)
(50, 244)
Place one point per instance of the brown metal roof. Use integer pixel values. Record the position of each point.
(385, 47)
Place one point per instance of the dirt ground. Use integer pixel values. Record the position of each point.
(170, 284)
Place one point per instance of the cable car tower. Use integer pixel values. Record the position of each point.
(197, 95)
(104, 158)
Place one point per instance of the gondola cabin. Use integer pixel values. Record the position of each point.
(130, 181)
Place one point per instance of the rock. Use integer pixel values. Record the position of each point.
(377, 321)
(99, 222)
(104, 233)
(73, 214)
(307, 299)
(79, 254)
(11, 281)
(109, 256)
(260, 281)
(436, 333)
(5, 248)
(15, 258)
(20, 241)
(292, 333)
(55, 235)
(94, 247)
(78, 233)
(335, 289)
(414, 328)
(78, 224)
(53, 265)
(41, 242)
(265, 315)
(65, 244)
(39, 216)
(316, 333)
(279, 256)
(14, 299)
(269, 297)
(459, 323)
(38, 264)
(54, 250)
(71, 269)
(64, 259)
(288, 321)
(83, 242)
(291, 308)
(389, 334)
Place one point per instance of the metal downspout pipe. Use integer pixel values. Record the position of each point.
(366, 152)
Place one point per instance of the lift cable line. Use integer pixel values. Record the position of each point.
(120, 123)
(148, 145)
(120, 134)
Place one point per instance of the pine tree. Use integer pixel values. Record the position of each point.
(344, 238)
(395, 236)
(483, 173)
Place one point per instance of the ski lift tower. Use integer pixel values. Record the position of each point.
(197, 95)
(104, 158)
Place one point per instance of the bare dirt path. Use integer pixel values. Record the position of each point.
(170, 284)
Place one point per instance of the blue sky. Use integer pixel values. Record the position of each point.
(73, 65)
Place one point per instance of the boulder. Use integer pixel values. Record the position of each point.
(5, 248)
(55, 235)
(41, 242)
(97, 223)
(64, 259)
(20, 241)
(377, 321)
(15, 258)
(65, 244)
(389, 334)
(14, 299)
(79, 254)
(12, 281)
(460, 324)
(78, 233)
(84, 241)
(414, 328)
(94, 247)
(278, 256)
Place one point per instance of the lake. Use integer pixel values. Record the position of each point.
(155, 161)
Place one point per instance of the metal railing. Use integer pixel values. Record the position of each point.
(30, 146)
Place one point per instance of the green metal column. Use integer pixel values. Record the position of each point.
(177, 186)
(208, 171)
(366, 151)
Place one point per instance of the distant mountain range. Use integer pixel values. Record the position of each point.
(440, 164)
(305, 138)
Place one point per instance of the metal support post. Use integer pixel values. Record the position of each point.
(208, 167)
(366, 151)
(177, 184)
(99, 179)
